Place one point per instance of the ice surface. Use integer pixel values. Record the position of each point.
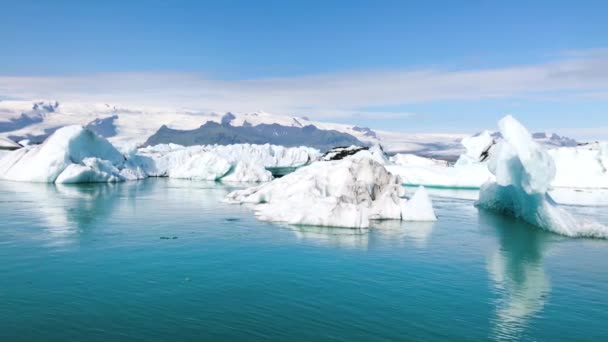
(247, 171)
(70, 145)
(581, 167)
(475, 147)
(7, 144)
(341, 193)
(407, 159)
(575, 167)
(92, 170)
(524, 171)
(75, 154)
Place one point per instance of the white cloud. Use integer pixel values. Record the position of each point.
(322, 95)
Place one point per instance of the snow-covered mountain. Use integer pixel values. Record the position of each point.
(34, 121)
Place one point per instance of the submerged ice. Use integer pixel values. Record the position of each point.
(524, 171)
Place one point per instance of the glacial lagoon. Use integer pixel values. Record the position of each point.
(164, 259)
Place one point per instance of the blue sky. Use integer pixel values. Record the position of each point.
(543, 61)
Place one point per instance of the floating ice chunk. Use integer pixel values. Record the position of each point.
(68, 145)
(235, 163)
(92, 170)
(581, 167)
(204, 166)
(524, 171)
(248, 172)
(475, 146)
(419, 207)
(342, 193)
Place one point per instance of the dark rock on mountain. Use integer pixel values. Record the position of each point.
(341, 152)
(366, 131)
(104, 126)
(225, 134)
(35, 115)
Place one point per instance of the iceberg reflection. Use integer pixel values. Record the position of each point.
(357, 238)
(401, 232)
(516, 269)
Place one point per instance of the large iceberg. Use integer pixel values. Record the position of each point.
(73, 150)
(74, 154)
(524, 171)
(581, 167)
(575, 167)
(239, 162)
(342, 193)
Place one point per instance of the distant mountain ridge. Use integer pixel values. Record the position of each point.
(224, 134)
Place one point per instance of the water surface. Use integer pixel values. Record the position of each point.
(165, 259)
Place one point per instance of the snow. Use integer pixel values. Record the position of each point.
(343, 193)
(524, 171)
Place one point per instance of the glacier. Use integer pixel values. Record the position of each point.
(349, 192)
(524, 171)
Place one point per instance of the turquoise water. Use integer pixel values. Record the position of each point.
(164, 259)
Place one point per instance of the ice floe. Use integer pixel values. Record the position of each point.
(524, 171)
(349, 192)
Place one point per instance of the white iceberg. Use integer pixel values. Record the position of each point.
(469, 171)
(408, 159)
(575, 167)
(74, 154)
(68, 146)
(342, 193)
(581, 167)
(234, 163)
(524, 171)
(477, 147)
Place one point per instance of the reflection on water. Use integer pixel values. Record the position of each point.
(334, 237)
(517, 271)
(66, 212)
(391, 232)
(402, 232)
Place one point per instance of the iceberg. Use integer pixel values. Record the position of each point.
(68, 146)
(233, 163)
(469, 171)
(349, 192)
(581, 167)
(75, 154)
(524, 171)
